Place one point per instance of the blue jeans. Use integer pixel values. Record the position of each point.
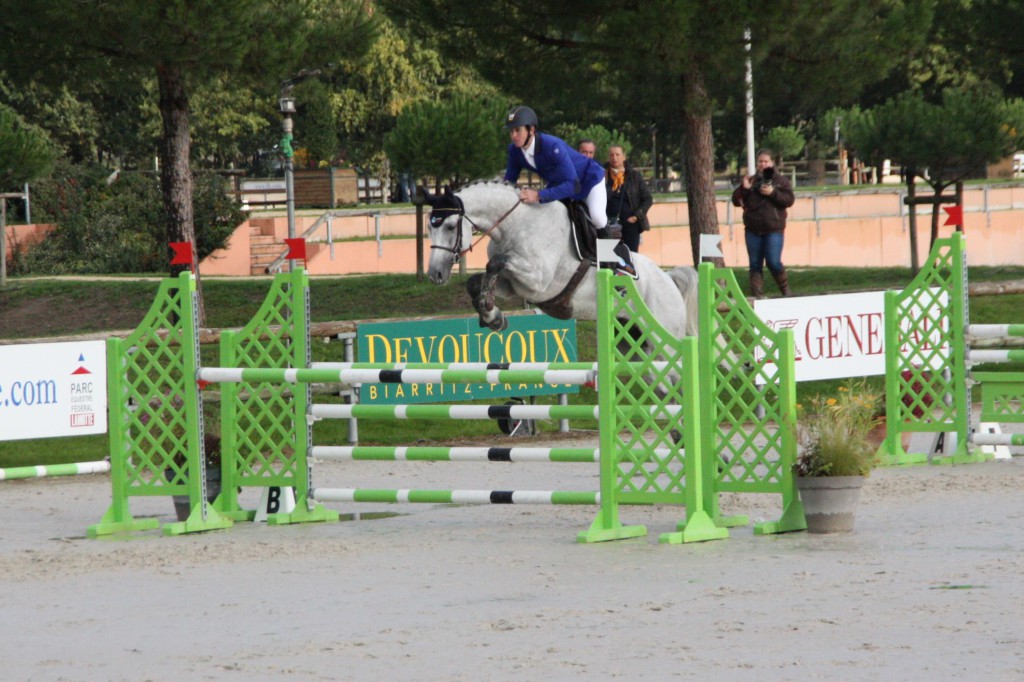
(765, 249)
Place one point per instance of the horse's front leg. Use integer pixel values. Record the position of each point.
(482, 291)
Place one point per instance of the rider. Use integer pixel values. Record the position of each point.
(568, 174)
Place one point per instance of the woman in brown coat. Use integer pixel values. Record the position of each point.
(765, 198)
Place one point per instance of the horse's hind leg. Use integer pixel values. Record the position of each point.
(481, 290)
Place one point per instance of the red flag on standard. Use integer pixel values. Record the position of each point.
(956, 215)
(182, 253)
(296, 249)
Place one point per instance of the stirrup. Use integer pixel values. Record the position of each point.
(626, 269)
(625, 265)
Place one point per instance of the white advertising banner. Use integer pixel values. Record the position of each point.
(53, 389)
(836, 336)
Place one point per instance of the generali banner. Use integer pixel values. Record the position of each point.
(839, 336)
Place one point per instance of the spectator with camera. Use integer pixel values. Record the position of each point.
(765, 198)
(628, 198)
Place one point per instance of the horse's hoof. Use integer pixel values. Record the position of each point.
(500, 323)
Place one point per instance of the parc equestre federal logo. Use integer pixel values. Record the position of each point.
(53, 389)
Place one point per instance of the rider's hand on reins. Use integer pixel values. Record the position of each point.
(529, 196)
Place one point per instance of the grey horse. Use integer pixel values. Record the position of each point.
(530, 254)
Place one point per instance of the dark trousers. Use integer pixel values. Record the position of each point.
(765, 249)
(631, 236)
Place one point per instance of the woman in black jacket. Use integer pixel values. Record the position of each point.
(628, 198)
(765, 198)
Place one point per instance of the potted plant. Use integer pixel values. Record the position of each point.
(835, 454)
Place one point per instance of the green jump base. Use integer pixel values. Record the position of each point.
(958, 458)
(608, 534)
(901, 459)
(196, 524)
(792, 520)
(104, 528)
(699, 527)
(301, 514)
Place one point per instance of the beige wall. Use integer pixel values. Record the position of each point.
(850, 228)
(20, 237)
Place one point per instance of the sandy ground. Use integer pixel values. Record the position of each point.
(930, 586)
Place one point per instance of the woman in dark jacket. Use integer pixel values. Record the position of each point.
(765, 198)
(628, 198)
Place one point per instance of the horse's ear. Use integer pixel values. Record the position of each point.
(428, 198)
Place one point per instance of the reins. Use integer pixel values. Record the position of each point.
(487, 232)
(457, 249)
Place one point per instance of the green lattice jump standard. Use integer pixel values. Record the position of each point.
(750, 428)
(156, 429)
(926, 357)
(265, 435)
(629, 340)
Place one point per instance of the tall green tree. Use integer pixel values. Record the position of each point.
(944, 142)
(974, 41)
(26, 153)
(452, 140)
(670, 62)
(181, 44)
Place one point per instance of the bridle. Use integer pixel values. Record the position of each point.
(457, 249)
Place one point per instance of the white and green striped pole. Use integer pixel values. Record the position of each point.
(455, 496)
(372, 453)
(45, 470)
(397, 376)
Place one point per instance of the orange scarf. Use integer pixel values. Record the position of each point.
(617, 178)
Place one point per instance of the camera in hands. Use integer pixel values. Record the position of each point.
(764, 178)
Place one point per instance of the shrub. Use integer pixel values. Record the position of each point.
(121, 227)
(834, 432)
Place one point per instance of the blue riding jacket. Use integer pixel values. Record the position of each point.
(568, 173)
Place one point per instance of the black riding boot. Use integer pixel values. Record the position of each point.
(757, 285)
(626, 267)
(782, 279)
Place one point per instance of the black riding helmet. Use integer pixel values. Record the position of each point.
(521, 116)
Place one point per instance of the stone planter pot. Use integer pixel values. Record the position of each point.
(830, 502)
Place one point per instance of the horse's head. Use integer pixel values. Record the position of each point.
(448, 233)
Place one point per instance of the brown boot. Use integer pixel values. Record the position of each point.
(757, 285)
(782, 279)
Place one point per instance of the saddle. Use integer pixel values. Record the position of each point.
(584, 238)
(584, 234)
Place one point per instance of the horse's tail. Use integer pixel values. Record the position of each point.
(686, 281)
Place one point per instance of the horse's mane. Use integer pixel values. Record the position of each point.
(488, 181)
